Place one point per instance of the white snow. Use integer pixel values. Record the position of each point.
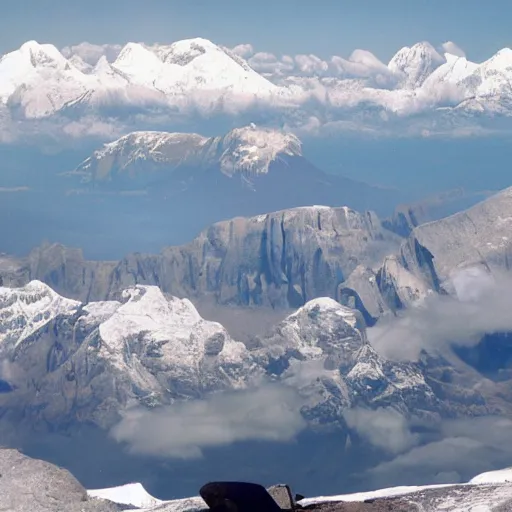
(500, 476)
(380, 493)
(249, 149)
(25, 310)
(488, 491)
(129, 494)
(195, 75)
(482, 503)
(415, 64)
(252, 149)
(148, 312)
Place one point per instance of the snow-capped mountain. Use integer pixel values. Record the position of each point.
(149, 349)
(29, 309)
(196, 77)
(248, 150)
(184, 182)
(415, 64)
(327, 332)
(192, 73)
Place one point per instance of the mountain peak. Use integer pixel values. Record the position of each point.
(324, 307)
(25, 310)
(138, 62)
(416, 63)
(43, 55)
(253, 149)
(501, 60)
(185, 51)
(248, 149)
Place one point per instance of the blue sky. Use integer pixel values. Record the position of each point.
(324, 27)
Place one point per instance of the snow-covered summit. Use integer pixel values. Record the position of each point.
(189, 65)
(452, 72)
(149, 148)
(415, 64)
(252, 149)
(25, 310)
(173, 326)
(40, 80)
(321, 328)
(492, 78)
(196, 76)
(249, 149)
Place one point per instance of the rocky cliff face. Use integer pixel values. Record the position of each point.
(286, 258)
(433, 254)
(281, 259)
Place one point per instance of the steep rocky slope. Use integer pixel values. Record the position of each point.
(432, 257)
(477, 236)
(279, 259)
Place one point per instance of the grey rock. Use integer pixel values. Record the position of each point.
(31, 485)
(282, 495)
(281, 260)
(409, 216)
(343, 370)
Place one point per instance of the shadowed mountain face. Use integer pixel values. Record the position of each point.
(282, 259)
(409, 216)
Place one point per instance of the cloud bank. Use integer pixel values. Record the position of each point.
(185, 429)
(480, 305)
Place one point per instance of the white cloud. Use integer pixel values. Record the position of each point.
(183, 430)
(91, 53)
(360, 64)
(462, 449)
(451, 47)
(243, 50)
(384, 428)
(264, 62)
(482, 305)
(311, 65)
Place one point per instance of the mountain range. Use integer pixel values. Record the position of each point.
(413, 329)
(196, 77)
(286, 258)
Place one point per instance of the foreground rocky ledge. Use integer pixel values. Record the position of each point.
(31, 485)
